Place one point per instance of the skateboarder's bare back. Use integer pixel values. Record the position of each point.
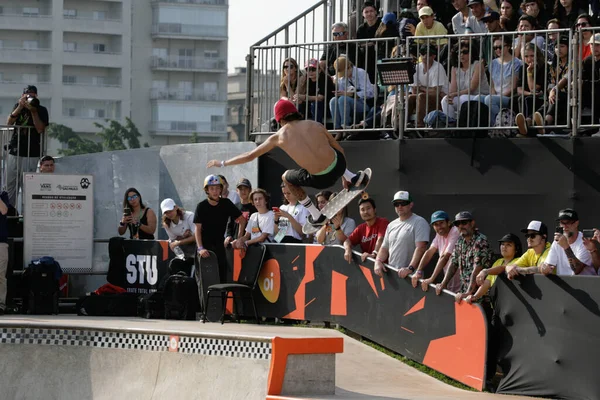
(308, 143)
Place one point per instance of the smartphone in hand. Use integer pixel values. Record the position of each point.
(276, 209)
(559, 229)
(588, 233)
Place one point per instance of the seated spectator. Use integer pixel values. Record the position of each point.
(590, 75)
(584, 21)
(474, 22)
(367, 31)
(243, 188)
(568, 254)
(323, 198)
(261, 226)
(510, 248)
(593, 245)
(471, 254)
(492, 23)
(531, 87)
(231, 195)
(369, 235)
(509, 17)
(467, 79)
(315, 90)
(504, 76)
(336, 230)
(407, 25)
(535, 9)
(552, 41)
(405, 238)
(353, 94)
(387, 29)
(446, 236)
(339, 33)
(429, 87)
(459, 20)
(430, 27)
(289, 78)
(289, 218)
(179, 226)
(527, 24)
(139, 219)
(47, 165)
(566, 11)
(530, 262)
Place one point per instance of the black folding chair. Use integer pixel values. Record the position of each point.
(245, 285)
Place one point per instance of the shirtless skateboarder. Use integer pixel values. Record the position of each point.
(311, 146)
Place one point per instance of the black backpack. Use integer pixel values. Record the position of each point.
(151, 305)
(181, 297)
(41, 286)
(473, 114)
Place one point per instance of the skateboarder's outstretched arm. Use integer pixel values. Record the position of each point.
(265, 147)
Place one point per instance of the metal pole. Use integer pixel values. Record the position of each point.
(249, 109)
(575, 91)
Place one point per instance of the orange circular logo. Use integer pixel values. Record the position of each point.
(269, 280)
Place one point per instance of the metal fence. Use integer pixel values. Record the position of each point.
(504, 83)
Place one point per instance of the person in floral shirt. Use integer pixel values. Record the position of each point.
(471, 254)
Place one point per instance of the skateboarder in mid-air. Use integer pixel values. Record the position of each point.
(311, 146)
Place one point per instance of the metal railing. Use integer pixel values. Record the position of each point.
(91, 48)
(93, 16)
(203, 2)
(173, 29)
(19, 12)
(74, 80)
(188, 127)
(190, 63)
(179, 95)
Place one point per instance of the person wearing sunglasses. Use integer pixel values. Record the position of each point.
(538, 248)
(471, 254)
(405, 239)
(339, 34)
(139, 219)
(314, 91)
(289, 78)
(584, 21)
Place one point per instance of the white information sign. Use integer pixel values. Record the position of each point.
(59, 219)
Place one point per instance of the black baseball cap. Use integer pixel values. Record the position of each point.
(29, 89)
(473, 2)
(491, 16)
(426, 49)
(510, 237)
(568, 214)
(463, 216)
(244, 182)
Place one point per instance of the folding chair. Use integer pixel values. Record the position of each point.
(251, 266)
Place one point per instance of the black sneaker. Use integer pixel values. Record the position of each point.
(360, 179)
(318, 222)
(1, 311)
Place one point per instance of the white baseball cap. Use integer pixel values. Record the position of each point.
(167, 205)
(402, 196)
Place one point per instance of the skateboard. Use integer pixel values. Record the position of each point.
(340, 201)
(207, 274)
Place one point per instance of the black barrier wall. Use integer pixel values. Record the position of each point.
(504, 182)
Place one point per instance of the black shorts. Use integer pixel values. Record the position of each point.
(301, 177)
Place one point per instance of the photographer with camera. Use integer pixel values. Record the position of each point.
(24, 149)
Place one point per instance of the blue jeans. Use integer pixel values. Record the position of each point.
(495, 102)
(342, 109)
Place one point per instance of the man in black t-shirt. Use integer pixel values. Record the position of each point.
(244, 187)
(25, 143)
(211, 218)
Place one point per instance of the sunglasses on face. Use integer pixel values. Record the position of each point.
(531, 235)
(464, 222)
(497, 47)
(582, 25)
(401, 203)
(289, 66)
(135, 196)
(338, 34)
(312, 69)
(464, 52)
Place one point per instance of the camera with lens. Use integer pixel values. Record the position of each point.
(33, 101)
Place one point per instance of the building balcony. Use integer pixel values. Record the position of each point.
(14, 88)
(178, 63)
(178, 95)
(81, 88)
(21, 55)
(19, 18)
(86, 56)
(184, 31)
(192, 2)
(181, 128)
(92, 23)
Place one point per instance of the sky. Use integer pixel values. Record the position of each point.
(252, 20)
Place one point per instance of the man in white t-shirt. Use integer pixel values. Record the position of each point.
(445, 239)
(430, 85)
(405, 239)
(261, 225)
(568, 255)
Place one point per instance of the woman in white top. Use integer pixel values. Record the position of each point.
(337, 229)
(290, 218)
(179, 226)
(467, 79)
(261, 225)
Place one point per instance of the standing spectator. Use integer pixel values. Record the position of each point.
(333, 51)
(510, 248)
(290, 218)
(211, 218)
(471, 254)
(590, 75)
(535, 9)
(527, 24)
(367, 31)
(531, 88)
(244, 187)
(231, 195)
(336, 230)
(139, 219)
(289, 79)
(4, 205)
(353, 93)
(25, 145)
(445, 239)
(504, 76)
(584, 21)
(430, 27)
(474, 22)
(566, 11)
(459, 20)
(509, 17)
(387, 29)
(538, 247)
(47, 165)
(429, 87)
(261, 225)
(467, 79)
(405, 238)
(568, 255)
(552, 43)
(180, 228)
(369, 235)
(314, 92)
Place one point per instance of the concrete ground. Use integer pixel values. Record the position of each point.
(361, 371)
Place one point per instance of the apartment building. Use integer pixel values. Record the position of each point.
(161, 63)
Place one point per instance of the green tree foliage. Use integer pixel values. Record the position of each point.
(114, 135)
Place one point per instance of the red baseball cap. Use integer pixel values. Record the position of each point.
(282, 108)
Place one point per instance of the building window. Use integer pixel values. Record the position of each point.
(98, 80)
(69, 46)
(30, 44)
(99, 15)
(99, 48)
(211, 53)
(69, 80)
(70, 112)
(69, 13)
(34, 11)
